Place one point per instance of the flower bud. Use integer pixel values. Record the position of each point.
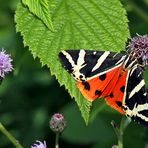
(57, 123)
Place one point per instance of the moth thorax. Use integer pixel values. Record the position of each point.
(78, 76)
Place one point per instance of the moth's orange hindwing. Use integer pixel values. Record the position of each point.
(116, 97)
(100, 85)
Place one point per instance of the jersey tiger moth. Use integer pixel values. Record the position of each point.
(116, 77)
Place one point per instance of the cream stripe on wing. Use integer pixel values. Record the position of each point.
(137, 88)
(68, 56)
(80, 60)
(101, 60)
(121, 60)
(131, 64)
(133, 69)
(137, 108)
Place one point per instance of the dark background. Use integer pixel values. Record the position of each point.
(30, 95)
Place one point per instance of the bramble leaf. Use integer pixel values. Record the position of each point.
(89, 24)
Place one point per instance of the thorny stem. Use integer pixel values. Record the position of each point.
(10, 137)
(57, 141)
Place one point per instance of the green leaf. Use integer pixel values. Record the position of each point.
(41, 9)
(89, 24)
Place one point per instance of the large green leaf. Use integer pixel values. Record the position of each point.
(87, 24)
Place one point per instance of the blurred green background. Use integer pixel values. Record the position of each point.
(30, 95)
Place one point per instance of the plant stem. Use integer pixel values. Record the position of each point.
(119, 131)
(10, 137)
(119, 134)
(120, 141)
(57, 141)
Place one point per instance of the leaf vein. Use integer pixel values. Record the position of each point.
(101, 25)
(89, 27)
(113, 24)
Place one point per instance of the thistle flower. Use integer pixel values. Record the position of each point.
(57, 123)
(39, 144)
(5, 64)
(138, 47)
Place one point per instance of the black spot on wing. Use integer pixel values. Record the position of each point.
(73, 75)
(120, 75)
(119, 103)
(122, 88)
(102, 77)
(111, 95)
(86, 85)
(98, 92)
(81, 76)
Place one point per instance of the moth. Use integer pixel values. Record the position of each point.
(116, 77)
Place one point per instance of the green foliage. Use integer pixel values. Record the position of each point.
(93, 133)
(89, 24)
(100, 133)
(41, 9)
(29, 95)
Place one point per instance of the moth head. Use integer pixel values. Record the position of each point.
(78, 76)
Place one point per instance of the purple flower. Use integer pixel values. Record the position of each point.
(5, 64)
(138, 47)
(39, 145)
(57, 123)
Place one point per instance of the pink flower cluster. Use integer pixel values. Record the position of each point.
(138, 47)
(5, 64)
